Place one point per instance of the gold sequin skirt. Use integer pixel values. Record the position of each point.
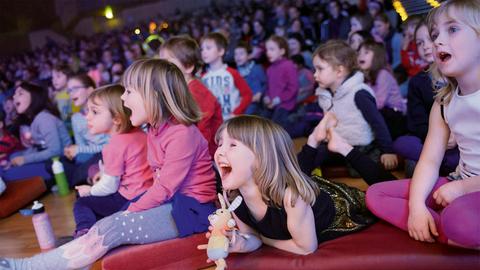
(351, 213)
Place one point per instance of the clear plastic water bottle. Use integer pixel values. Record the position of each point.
(41, 224)
(60, 177)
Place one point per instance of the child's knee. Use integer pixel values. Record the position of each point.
(461, 222)
(374, 195)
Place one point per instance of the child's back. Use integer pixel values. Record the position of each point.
(126, 155)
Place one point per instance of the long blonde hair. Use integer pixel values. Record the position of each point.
(164, 91)
(276, 166)
(470, 15)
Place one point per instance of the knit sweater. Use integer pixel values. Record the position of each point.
(49, 136)
(283, 83)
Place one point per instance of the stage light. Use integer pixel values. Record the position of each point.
(108, 12)
(137, 31)
(400, 10)
(433, 3)
(152, 26)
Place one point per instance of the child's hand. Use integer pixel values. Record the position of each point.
(267, 101)
(447, 193)
(337, 143)
(257, 97)
(389, 161)
(421, 225)
(83, 190)
(18, 161)
(71, 151)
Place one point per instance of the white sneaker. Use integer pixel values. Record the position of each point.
(2, 186)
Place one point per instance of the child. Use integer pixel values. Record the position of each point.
(253, 73)
(226, 84)
(392, 39)
(373, 62)
(126, 173)
(282, 82)
(8, 143)
(60, 74)
(185, 54)
(157, 94)
(357, 38)
(47, 136)
(420, 102)
(353, 102)
(306, 82)
(431, 208)
(281, 206)
(86, 144)
(10, 112)
(368, 169)
(411, 60)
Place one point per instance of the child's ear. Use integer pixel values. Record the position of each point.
(341, 71)
(190, 69)
(283, 52)
(116, 120)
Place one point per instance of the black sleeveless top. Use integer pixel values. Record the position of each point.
(274, 224)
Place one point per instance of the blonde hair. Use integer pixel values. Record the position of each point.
(110, 95)
(338, 53)
(470, 15)
(276, 166)
(164, 91)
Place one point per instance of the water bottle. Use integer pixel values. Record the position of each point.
(60, 177)
(41, 224)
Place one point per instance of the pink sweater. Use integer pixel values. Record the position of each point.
(179, 157)
(125, 155)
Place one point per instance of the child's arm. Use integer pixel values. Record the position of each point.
(455, 189)
(107, 185)
(420, 221)
(417, 114)
(383, 88)
(301, 225)
(245, 92)
(366, 104)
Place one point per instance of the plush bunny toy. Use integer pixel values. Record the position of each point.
(217, 247)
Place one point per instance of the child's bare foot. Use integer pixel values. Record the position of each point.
(337, 143)
(319, 134)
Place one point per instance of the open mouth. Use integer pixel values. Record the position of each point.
(225, 170)
(17, 104)
(361, 62)
(444, 57)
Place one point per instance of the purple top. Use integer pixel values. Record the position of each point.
(282, 82)
(387, 92)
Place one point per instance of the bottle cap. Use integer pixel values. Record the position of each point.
(37, 208)
(55, 158)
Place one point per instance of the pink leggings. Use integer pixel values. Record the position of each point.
(459, 221)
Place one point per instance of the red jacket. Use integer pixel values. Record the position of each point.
(211, 112)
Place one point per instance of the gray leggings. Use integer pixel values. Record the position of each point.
(144, 227)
